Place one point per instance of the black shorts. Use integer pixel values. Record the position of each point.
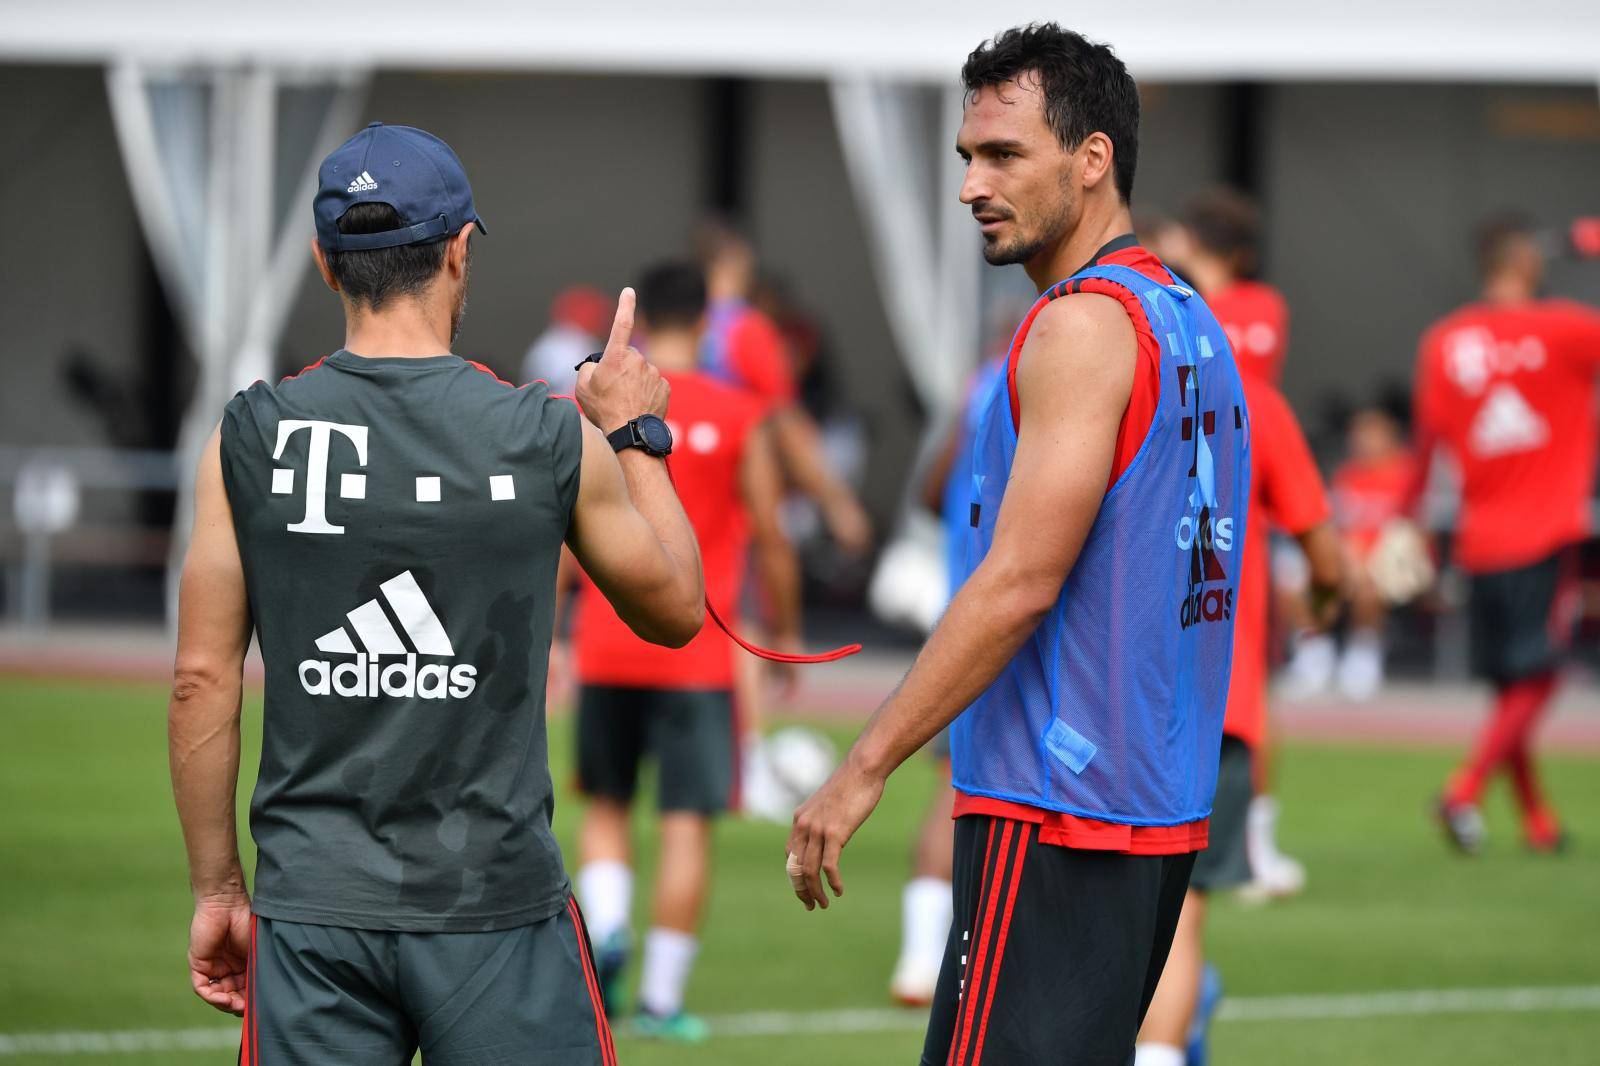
(1226, 861)
(690, 732)
(1054, 952)
(1523, 619)
(323, 995)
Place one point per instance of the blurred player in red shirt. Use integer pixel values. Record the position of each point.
(1216, 247)
(1286, 493)
(744, 347)
(676, 705)
(1370, 494)
(1507, 385)
(1219, 253)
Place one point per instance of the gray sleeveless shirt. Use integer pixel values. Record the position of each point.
(400, 522)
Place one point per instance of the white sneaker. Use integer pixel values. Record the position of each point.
(1273, 874)
(1281, 878)
(914, 981)
(1310, 669)
(1361, 668)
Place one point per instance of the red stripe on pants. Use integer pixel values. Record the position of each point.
(981, 944)
(969, 945)
(1000, 944)
(602, 1027)
(249, 1055)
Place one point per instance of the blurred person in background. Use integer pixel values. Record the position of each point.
(676, 706)
(409, 892)
(744, 347)
(1217, 247)
(578, 317)
(1087, 697)
(1286, 493)
(1370, 495)
(1219, 251)
(1507, 386)
(925, 903)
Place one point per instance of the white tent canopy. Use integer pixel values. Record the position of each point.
(195, 86)
(921, 40)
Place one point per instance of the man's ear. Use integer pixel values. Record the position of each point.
(322, 266)
(1098, 158)
(455, 256)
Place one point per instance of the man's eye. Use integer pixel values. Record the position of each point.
(1006, 155)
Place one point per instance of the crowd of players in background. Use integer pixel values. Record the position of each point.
(1504, 387)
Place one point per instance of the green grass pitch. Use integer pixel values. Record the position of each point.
(94, 908)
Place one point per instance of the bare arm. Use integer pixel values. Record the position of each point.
(1074, 380)
(799, 444)
(1325, 557)
(628, 529)
(203, 736)
(778, 567)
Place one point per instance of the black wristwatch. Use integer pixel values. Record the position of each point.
(647, 432)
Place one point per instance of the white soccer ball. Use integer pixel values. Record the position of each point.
(784, 769)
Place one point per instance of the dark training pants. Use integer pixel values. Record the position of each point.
(329, 996)
(1054, 953)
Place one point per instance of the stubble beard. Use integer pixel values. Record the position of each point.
(1023, 247)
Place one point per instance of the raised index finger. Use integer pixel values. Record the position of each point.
(622, 325)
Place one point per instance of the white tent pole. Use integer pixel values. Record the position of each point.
(879, 162)
(141, 158)
(247, 359)
(276, 291)
(960, 314)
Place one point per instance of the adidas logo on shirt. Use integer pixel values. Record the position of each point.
(1507, 423)
(366, 675)
(364, 182)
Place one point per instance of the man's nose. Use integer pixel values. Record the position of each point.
(973, 185)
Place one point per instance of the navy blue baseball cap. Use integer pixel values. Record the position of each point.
(409, 169)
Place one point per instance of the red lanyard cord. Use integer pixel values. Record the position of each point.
(755, 649)
(778, 656)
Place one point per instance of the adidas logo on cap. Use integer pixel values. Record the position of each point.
(364, 182)
(366, 675)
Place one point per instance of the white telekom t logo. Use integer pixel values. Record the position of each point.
(316, 519)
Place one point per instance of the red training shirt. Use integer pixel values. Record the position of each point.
(1285, 493)
(711, 425)
(1255, 317)
(1510, 390)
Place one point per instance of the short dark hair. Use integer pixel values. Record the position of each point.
(1086, 88)
(375, 276)
(1226, 223)
(672, 295)
(1497, 236)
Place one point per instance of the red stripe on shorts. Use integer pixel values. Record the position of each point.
(248, 1041)
(602, 1027)
(1000, 944)
(970, 991)
(970, 945)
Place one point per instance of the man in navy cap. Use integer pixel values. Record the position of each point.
(387, 525)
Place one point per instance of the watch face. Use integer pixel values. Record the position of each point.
(657, 437)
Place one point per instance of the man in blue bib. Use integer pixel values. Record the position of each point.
(1084, 664)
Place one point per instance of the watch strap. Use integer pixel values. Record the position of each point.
(624, 438)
